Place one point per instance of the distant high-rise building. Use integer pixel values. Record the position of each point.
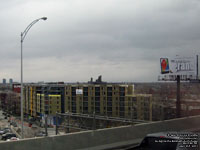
(11, 81)
(4, 81)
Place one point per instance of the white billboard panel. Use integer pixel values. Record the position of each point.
(182, 66)
(79, 91)
(186, 67)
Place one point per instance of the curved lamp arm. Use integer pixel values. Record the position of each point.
(23, 34)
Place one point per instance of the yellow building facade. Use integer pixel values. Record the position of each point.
(114, 100)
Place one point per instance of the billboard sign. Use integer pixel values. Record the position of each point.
(178, 66)
(183, 66)
(79, 91)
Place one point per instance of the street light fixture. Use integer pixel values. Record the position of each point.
(23, 35)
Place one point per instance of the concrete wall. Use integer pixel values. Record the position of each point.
(84, 140)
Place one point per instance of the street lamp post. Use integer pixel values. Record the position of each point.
(23, 35)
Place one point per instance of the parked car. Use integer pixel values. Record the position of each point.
(13, 139)
(4, 131)
(14, 124)
(40, 134)
(8, 136)
(169, 141)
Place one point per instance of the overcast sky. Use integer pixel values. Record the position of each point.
(122, 40)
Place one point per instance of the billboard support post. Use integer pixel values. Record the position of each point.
(197, 67)
(178, 102)
(46, 126)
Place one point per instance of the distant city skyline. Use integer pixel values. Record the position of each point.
(122, 40)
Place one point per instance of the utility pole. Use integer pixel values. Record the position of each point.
(56, 123)
(94, 121)
(68, 122)
(23, 35)
(46, 132)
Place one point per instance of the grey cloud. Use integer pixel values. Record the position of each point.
(98, 36)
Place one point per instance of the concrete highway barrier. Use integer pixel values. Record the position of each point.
(103, 138)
